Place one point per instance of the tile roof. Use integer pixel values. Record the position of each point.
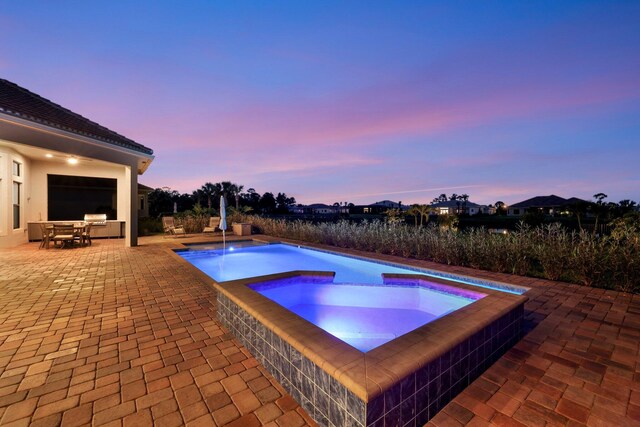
(574, 200)
(455, 204)
(542, 202)
(20, 102)
(385, 203)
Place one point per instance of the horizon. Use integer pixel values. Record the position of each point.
(349, 102)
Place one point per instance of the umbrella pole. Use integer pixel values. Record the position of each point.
(224, 240)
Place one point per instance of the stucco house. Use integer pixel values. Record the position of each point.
(458, 207)
(143, 200)
(377, 208)
(56, 165)
(548, 205)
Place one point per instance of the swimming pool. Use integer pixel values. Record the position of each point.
(342, 356)
(365, 316)
(242, 260)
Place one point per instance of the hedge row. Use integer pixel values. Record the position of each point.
(548, 251)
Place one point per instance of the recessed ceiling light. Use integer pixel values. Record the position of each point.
(72, 160)
(48, 155)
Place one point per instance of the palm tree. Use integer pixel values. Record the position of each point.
(251, 198)
(600, 208)
(198, 196)
(414, 211)
(208, 191)
(236, 190)
(465, 199)
(579, 210)
(229, 190)
(424, 211)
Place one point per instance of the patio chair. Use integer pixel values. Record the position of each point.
(47, 233)
(170, 228)
(64, 234)
(86, 235)
(214, 223)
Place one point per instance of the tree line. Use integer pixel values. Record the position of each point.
(163, 201)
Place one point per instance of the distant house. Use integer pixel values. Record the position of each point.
(390, 204)
(549, 205)
(56, 165)
(457, 207)
(488, 209)
(322, 209)
(299, 209)
(377, 208)
(318, 209)
(143, 200)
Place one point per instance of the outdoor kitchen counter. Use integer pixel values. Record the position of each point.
(113, 228)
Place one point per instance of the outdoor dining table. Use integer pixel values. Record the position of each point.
(78, 229)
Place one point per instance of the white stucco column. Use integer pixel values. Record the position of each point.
(131, 230)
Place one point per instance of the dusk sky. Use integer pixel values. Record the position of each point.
(351, 101)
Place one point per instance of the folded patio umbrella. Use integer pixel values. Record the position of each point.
(223, 221)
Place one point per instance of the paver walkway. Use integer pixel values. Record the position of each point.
(108, 335)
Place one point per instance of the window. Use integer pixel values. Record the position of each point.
(16, 168)
(516, 211)
(141, 203)
(16, 204)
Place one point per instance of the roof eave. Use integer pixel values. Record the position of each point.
(143, 160)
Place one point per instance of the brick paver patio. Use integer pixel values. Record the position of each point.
(108, 335)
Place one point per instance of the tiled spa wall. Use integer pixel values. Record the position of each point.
(327, 401)
(411, 402)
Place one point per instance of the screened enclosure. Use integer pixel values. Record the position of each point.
(71, 197)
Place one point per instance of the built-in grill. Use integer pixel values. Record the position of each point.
(95, 219)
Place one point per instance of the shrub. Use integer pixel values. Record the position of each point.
(552, 247)
(625, 255)
(548, 250)
(588, 262)
(149, 226)
(194, 220)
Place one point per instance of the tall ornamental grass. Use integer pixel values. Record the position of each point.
(548, 251)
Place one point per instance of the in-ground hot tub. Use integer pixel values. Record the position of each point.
(365, 316)
(407, 378)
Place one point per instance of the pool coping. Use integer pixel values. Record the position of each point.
(370, 374)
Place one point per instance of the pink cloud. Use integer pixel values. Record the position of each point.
(361, 118)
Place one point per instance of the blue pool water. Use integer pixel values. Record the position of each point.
(241, 260)
(259, 260)
(364, 316)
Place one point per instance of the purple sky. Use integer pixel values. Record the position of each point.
(351, 101)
